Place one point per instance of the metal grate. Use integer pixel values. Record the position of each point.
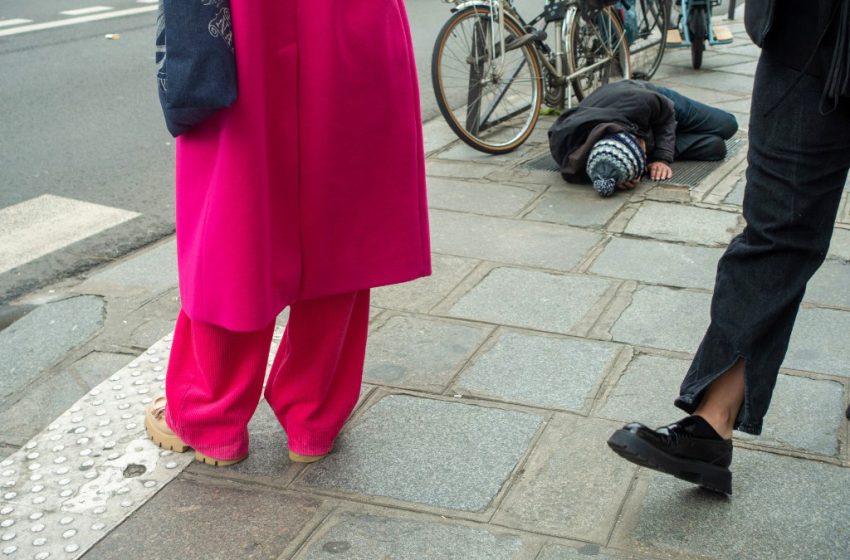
(687, 173)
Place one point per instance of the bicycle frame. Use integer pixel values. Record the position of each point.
(496, 16)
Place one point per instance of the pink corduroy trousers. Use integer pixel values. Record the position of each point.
(215, 377)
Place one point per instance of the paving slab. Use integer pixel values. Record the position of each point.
(196, 517)
(6, 450)
(268, 461)
(688, 224)
(839, 247)
(664, 318)
(819, 402)
(572, 486)
(745, 49)
(558, 304)
(557, 551)
(576, 205)
(702, 94)
(436, 134)
(737, 195)
(829, 285)
(153, 271)
(721, 81)
(781, 508)
(152, 329)
(745, 68)
(43, 336)
(646, 391)
(423, 294)
(463, 152)
(420, 353)
(539, 370)
(656, 262)
(509, 241)
(93, 368)
(491, 199)
(362, 536)
(459, 169)
(38, 406)
(680, 59)
(819, 342)
(442, 454)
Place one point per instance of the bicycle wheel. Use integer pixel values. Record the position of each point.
(697, 28)
(647, 49)
(491, 102)
(598, 53)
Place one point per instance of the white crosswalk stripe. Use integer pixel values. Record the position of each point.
(86, 11)
(76, 20)
(39, 226)
(14, 21)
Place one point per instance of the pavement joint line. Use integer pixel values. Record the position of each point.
(519, 469)
(300, 543)
(625, 357)
(487, 344)
(784, 451)
(76, 20)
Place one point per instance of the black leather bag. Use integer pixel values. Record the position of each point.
(196, 64)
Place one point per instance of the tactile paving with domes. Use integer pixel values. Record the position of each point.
(89, 470)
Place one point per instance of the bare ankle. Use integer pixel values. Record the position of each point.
(721, 422)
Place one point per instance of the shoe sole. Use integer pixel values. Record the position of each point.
(298, 458)
(174, 443)
(633, 449)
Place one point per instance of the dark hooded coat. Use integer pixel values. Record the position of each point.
(629, 106)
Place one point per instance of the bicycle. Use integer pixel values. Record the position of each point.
(492, 71)
(695, 28)
(646, 32)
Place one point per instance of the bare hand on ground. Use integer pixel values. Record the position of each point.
(659, 171)
(628, 185)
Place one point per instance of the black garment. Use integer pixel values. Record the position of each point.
(628, 106)
(701, 130)
(798, 164)
(790, 19)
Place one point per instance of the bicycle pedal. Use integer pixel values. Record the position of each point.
(674, 37)
(722, 33)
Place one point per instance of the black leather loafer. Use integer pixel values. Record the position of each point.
(689, 450)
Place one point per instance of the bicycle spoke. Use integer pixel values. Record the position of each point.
(491, 98)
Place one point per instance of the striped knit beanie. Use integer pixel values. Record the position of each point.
(613, 160)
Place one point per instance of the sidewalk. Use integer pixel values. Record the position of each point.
(552, 317)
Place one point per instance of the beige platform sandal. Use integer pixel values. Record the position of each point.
(164, 437)
(298, 458)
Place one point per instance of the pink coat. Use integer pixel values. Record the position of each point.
(313, 182)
